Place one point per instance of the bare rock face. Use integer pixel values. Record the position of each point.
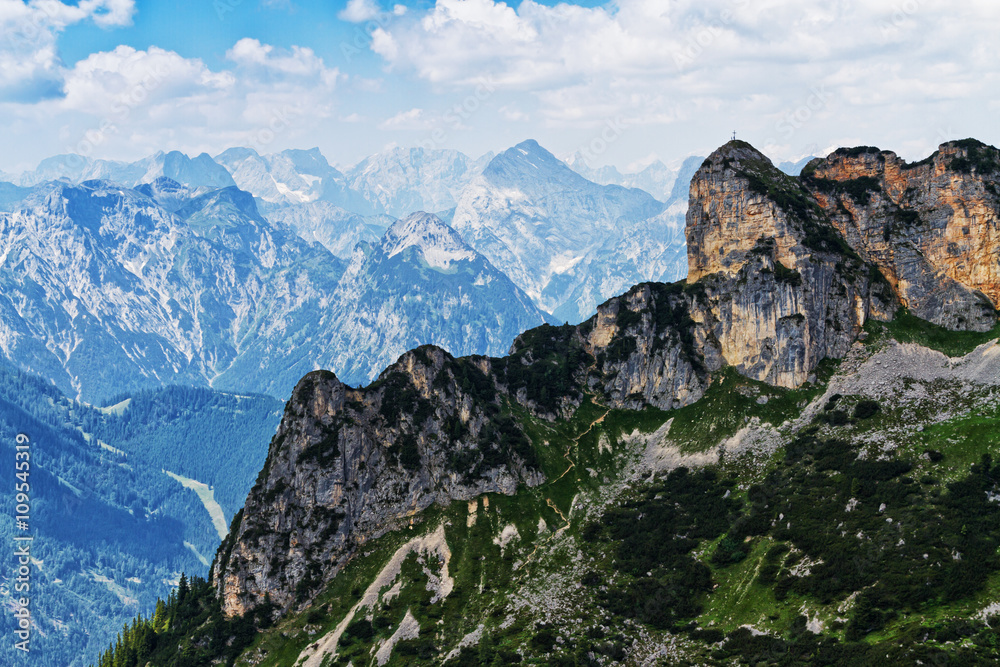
(647, 349)
(932, 227)
(347, 465)
(733, 205)
(778, 288)
(774, 289)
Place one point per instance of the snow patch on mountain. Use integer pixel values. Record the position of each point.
(438, 244)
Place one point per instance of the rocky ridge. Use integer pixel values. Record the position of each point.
(347, 465)
(573, 422)
(776, 290)
(932, 227)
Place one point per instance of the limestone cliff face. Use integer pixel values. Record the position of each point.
(732, 205)
(932, 228)
(778, 289)
(647, 350)
(775, 288)
(347, 465)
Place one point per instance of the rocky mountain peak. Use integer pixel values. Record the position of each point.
(785, 289)
(437, 243)
(312, 160)
(221, 205)
(738, 197)
(932, 227)
(528, 163)
(349, 464)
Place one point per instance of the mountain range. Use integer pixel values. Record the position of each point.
(198, 172)
(526, 214)
(106, 290)
(656, 178)
(168, 277)
(240, 272)
(773, 461)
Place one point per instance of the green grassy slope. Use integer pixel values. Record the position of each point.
(758, 526)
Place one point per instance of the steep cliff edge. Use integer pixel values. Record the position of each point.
(347, 465)
(932, 227)
(774, 290)
(780, 290)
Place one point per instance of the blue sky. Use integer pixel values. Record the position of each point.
(621, 82)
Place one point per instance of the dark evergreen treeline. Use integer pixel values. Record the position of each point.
(110, 528)
(219, 439)
(188, 629)
(109, 536)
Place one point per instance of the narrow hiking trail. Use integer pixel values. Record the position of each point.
(576, 441)
(572, 464)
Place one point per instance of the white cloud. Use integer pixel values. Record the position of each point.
(414, 119)
(680, 75)
(298, 62)
(512, 113)
(657, 62)
(359, 11)
(30, 67)
(108, 13)
(129, 101)
(103, 82)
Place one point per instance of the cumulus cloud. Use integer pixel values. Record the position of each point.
(105, 82)
(297, 63)
(30, 67)
(512, 113)
(414, 119)
(128, 100)
(359, 11)
(789, 75)
(661, 62)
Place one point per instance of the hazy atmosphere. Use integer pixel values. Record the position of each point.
(459, 333)
(621, 82)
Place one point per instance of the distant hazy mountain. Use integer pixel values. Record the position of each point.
(551, 230)
(196, 172)
(12, 195)
(653, 250)
(567, 240)
(421, 283)
(103, 290)
(401, 181)
(795, 168)
(338, 229)
(292, 177)
(656, 178)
